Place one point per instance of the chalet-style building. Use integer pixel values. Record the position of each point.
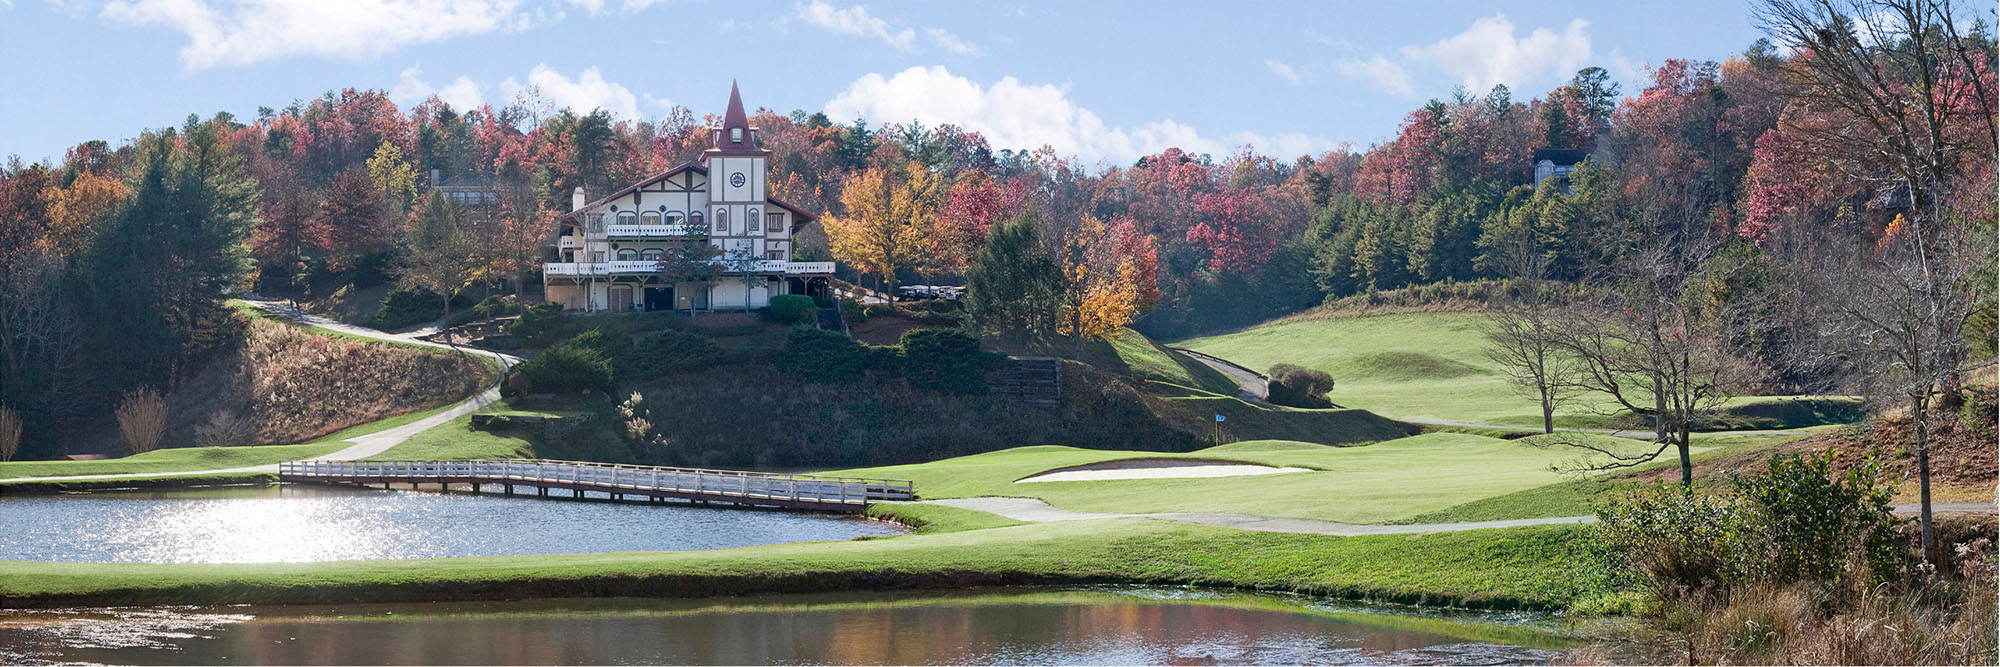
(1557, 163)
(609, 251)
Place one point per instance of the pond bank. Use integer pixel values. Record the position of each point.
(1519, 568)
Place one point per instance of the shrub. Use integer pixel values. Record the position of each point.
(1674, 540)
(671, 351)
(538, 325)
(1815, 521)
(818, 355)
(943, 360)
(142, 419)
(793, 309)
(1299, 387)
(565, 368)
(853, 312)
(406, 307)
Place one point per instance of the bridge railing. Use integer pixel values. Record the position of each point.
(613, 476)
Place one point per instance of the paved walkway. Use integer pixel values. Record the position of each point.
(363, 446)
(1033, 510)
(1251, 384)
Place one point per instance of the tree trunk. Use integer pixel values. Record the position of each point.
(1687, 462)
(1920, 417)
(1548, 412)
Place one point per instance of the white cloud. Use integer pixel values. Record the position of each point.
(1488, 53)
(1380, 72)
(411, 89)
(1012, 114)
(1283, 71)
(1625, 69)
(855, 21)
(589, 91)
(244, 32)
(950, 42)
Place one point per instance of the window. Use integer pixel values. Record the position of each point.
(722, 221)
(735, 135)
(627, 218)
(774, 254)
(777, 222)
(755, 220)
(597, 223)
(597, 256)
(653, 254)
(627, 255)
(649, 218)
(673, 218)
(694, 218)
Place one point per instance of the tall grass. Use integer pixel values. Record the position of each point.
(142, 419)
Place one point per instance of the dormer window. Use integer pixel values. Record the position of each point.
(735, 135)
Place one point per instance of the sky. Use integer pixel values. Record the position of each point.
(1105, 81)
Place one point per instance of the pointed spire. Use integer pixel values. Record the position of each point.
(734, 118)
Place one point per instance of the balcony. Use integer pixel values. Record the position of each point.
(643, 267)
(569, 241)
(644, 231)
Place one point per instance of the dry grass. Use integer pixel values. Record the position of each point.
(10, 433)
(1913, 619)
(142, 419)
(285, 384)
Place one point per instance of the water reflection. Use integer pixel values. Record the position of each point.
(1006, 627)
(302, 523)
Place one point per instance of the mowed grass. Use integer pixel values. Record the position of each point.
(171, 460)
(455, 440)
(1434, 366)
(1379, 483)
(1146, 360)
(1535, 567)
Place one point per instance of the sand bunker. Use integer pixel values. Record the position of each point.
(1154, 469)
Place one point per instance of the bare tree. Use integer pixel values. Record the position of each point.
(1917, 115)
(441, 251)
(1654, 355)
(225, 428)
(40, 338)
(142, 419)
(10, 433)
(1525, 330)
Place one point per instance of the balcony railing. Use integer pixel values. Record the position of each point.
(645, 230)
(641, 267)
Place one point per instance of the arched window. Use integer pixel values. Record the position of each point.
(652, 254)
(694, 218)
(649, 218)
(673, 218)
(627, 255)
(627, 218)
(722, 221)
(755, 220)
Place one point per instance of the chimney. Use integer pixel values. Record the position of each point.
(576, 200)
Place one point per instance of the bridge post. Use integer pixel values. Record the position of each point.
(507, 489)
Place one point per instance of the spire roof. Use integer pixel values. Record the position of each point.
(734, 116)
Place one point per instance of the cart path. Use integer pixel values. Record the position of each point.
(363, 446)
(1034, 510)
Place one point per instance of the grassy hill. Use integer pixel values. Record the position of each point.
(1434, 365)
(1378, 483)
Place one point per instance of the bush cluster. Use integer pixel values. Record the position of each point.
(944, 360)
(406, 307)
(793, 309)
(564, 369)
(1799, 522)
(673, 351)
(817, 355)
(538, 325)
(1299, 387)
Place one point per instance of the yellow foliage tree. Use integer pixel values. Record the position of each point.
(1101, 285)
(73, 210)
(888, 221)
(394, 176)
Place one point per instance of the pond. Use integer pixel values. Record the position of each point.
(305, 523)
(996, 626)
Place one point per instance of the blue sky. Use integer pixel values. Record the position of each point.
(1105, 81)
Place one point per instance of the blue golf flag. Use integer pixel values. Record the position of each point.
(1220, 418)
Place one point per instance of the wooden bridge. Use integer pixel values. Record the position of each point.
(619, 482)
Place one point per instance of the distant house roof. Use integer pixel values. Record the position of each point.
(1562, 157)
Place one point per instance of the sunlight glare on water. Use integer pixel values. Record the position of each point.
(296, 523)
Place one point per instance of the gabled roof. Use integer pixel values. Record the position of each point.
(803, 216)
